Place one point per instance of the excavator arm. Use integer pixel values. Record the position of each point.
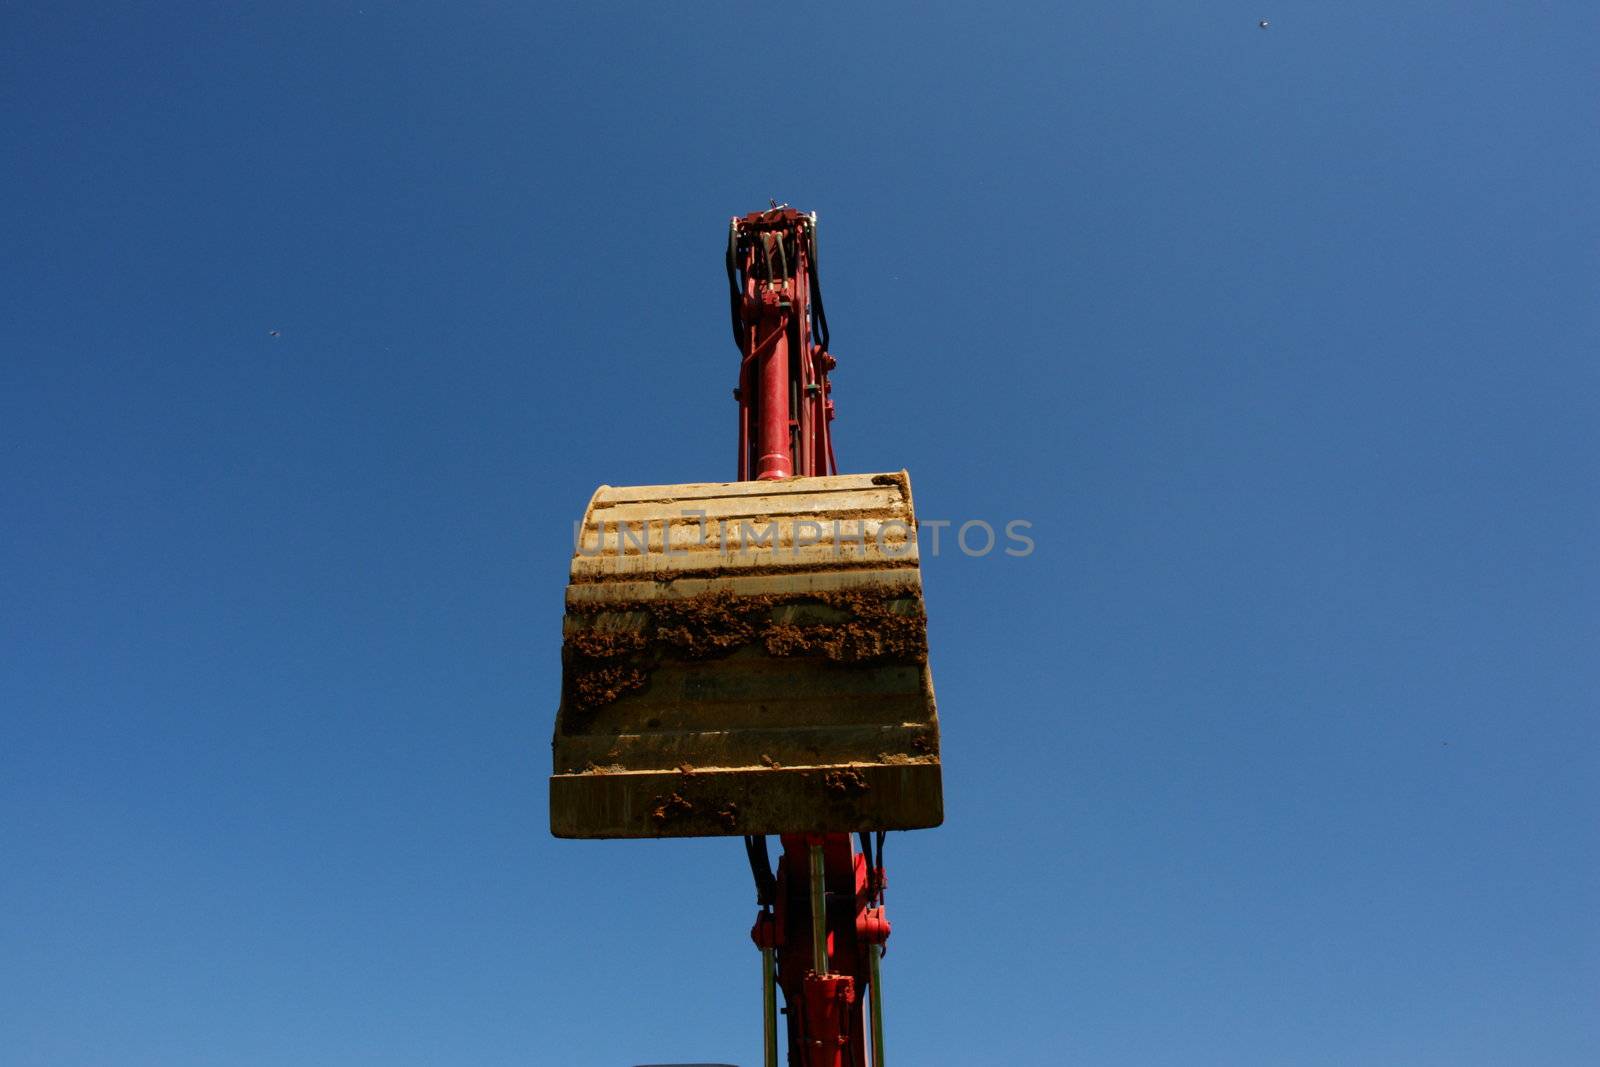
(749, 659)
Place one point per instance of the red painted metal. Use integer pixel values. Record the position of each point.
(823, 1020)
(785, 409)
(830, 1002)
(784, 406)
(775, 449)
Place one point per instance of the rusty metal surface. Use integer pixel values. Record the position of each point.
(744, 658)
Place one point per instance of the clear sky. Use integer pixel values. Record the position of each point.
(1280, 748)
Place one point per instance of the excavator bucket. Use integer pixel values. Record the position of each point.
(746, 658)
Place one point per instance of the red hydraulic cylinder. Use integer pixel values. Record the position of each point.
(779, 326)
(774, 459)
(828, 999)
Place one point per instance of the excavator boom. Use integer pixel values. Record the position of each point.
(750, 658)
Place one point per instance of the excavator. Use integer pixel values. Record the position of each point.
(750, 659)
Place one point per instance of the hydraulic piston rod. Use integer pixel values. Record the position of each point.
(769, 1008)
(819, 911)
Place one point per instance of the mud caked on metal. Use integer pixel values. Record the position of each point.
(746, 658)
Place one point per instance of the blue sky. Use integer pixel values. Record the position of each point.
(1281, 748)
